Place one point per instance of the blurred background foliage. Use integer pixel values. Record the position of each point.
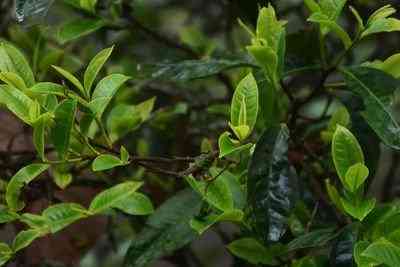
(187, 54)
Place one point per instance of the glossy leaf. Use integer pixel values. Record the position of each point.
(64, 117)
(252, 251)
(361, 260)
(48, 88)
(135, 204)
(6, 253)
(317, 238)
(106, 162)
(112, 197)
(39, 131)
(94, 68)
(13, 79)
(358, 209)
(167, 230)
(121, 120)
(272, 185)
(375, 88)
(17, 182)
(346, 151)
(7, 216)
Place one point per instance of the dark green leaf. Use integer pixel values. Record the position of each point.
(252, 251)
(272, 185)
(79, 28)
(375, 88)
(167, 230)
(317, 238)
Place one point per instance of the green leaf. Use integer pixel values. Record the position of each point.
(317, 238)
(145, 108)
(217, 192)
(229, 146)
(326, 22)
(17, 102)
(7, 216)
(21, 178)
(360, 22)
(376, 88)
(383, 252)
(113, 197)
(356, 176)
(346, 151)
(13, 79)
(269, 28)
(34, 221)
(70, 77)
(381, 13)
(64, 117)
(334, 195)
(39, 130)
(62, 177)
(24, 239)
(104, 92)
(48, 88)
(271, 184)
(121, 120)
(391, 65)
(167, 230)
(379, 21)
(61, 215)
(252, 251)
(106, 162)
(6, 253)
(12, 60)
(79, 28)
(244, 106)
(124, 154)
(89, 5)
(188, 70)
(135, 204)
(203, 224)
(361, 260)
(358, 209)
(95, 66)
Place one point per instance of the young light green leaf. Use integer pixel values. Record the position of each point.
(61, 215)
(383, 252)
(391, 65)
(105, 162)
(358, 209)
(356, 176)
(64, 117)
(70, 77)
(216, 192)
(360, 22)
(361, 260)
(95, 66)
(34, 221)
(21, 178)
(12, 60)
(104, 92)
(48, 88)
(17, 102)
(312, 6)
(113, 196)
(200, 225)
(246, 94)
(346, 151)
(252, 251)
(79, 28)
(62, 177)
(324, 21)
(13, 79)
(334, 195)
(124, 154)
(381, 13)
(382, 25)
